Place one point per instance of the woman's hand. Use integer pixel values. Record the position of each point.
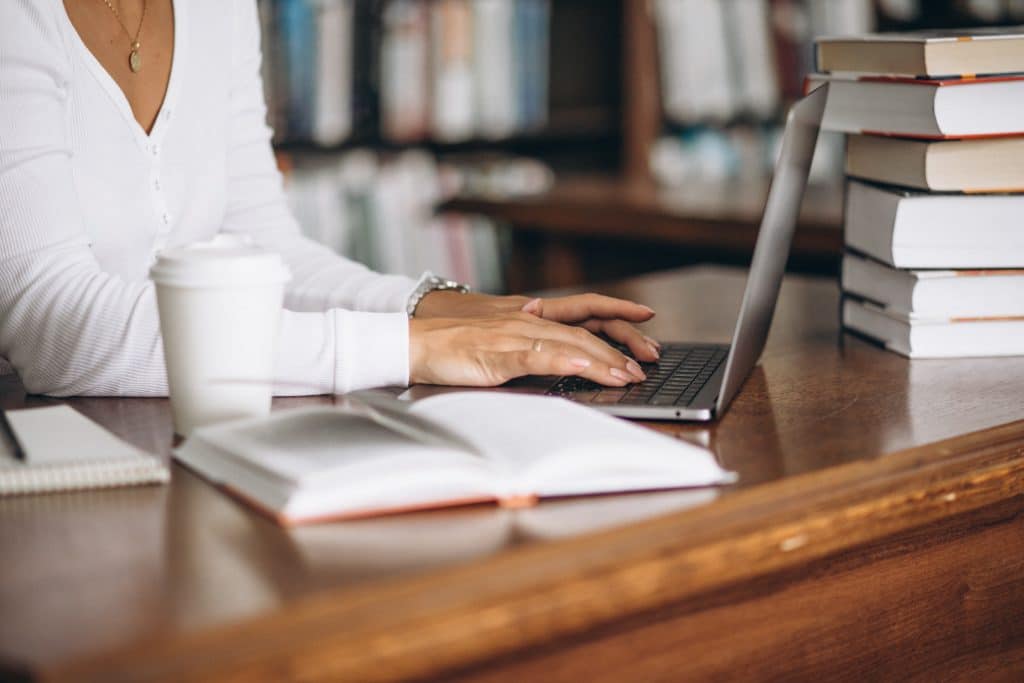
(490, 350)
(598, 314)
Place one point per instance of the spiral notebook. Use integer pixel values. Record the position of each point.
(64, 451)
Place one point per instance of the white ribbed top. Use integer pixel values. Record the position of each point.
(87, 199)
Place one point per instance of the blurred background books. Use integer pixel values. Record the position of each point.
(519, 144)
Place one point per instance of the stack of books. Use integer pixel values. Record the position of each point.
(934, 221)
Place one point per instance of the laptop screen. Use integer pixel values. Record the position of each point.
(773, 240)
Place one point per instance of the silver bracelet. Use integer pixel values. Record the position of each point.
(432, 283)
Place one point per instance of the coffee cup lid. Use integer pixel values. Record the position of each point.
(225, 261)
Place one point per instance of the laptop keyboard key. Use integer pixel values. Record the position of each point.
(675, 379)
(608, 396)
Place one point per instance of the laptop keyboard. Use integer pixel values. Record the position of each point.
(675, 380)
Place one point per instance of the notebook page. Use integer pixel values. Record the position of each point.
(64, 450)
(57, 435)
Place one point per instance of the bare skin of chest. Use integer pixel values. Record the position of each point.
(111, 43)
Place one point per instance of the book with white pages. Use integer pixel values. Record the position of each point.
(936, 293)
(942, 52)
(377, 455)
(928, 109)
(332, 104)
(934, 336)
(974, 165)
(64, 450)
(909, 229)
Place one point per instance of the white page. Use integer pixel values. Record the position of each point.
(323, 461)
(315, 446)
(550, 446)
(60, 435)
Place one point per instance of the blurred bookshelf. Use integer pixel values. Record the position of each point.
(524, 144)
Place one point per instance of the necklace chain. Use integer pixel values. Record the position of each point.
(134, 59)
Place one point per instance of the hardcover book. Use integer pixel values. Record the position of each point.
(920, 230)
(936, 293)
(935, 337)
(379, 455)
(934, 53)
(978, 165)
(923, 108)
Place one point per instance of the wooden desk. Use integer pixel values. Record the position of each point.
(876, 533)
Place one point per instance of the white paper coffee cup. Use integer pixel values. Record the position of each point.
(220, 307)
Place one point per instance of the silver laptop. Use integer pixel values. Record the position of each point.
(698, 381)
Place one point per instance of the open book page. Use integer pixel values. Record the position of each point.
(319, 461)
(547, 446)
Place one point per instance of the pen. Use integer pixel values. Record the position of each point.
(19, 452)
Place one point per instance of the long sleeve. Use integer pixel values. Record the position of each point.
(68, 326)
(65, 326)
(372, 337)
(256, 204)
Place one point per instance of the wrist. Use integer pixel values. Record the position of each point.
(440, 302)
(428, 284)
(450, 304)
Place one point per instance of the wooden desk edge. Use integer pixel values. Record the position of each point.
(542, 593)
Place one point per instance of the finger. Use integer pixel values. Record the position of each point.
(580, 307)
(534, 307)
(584, 340)
(597, 370)
(642, 347)
(557, 358)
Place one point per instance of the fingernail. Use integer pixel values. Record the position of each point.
(532, 306)
(654, 350)
(647, 308)
(580, 362)
(653, 342)
(620, 375)
(634, 368)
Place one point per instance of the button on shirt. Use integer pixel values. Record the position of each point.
(77, 311)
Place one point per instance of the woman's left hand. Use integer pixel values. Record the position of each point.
(599, 314)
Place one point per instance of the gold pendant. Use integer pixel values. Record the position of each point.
(135, 59)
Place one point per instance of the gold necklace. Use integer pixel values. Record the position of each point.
(134, 58)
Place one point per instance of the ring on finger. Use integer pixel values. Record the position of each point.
(537, 344)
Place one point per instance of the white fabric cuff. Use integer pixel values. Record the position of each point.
(306, 352)
(390, 292)
(372, 350)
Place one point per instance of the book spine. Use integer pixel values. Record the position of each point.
(366, 61)
(298, 28)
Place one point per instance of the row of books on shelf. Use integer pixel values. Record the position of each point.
(404, 70)
(725, 59)
(380, 209)
(737, 151)
(933, 230)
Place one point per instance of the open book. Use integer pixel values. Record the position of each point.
(379, 455)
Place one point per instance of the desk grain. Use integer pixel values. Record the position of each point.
(876, 532)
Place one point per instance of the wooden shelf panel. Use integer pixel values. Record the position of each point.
(715, 215)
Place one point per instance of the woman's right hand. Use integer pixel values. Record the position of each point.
(488, 351)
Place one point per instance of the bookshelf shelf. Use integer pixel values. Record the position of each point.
(565, 128)
(555, 233)
(608, 85)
